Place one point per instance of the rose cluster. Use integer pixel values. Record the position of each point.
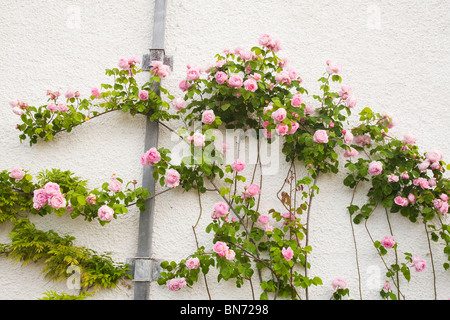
(50, 195)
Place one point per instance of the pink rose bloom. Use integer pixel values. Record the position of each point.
(401, 201)
(220, 210)
(443, 209)
(235, 82)
(230, 255)
(282, 129)
(91, 199)
(288, 253)
(411, 198)
(339, 283)
(221, 77)
(178, 104)
(176, 284)
(151, 157)
(423, 166)
(279, 115)
(159, 69)
(193, 73)
(333, 67)
(52, 107)
(57, 201)
(123, 64)
(351, 153)
(220, 248)
(375, 168)
(265, 40)
(52, 189)
(345, 92)
(283, 77)
(432, 182)
(294, 127)
(424, 184)
(393, 178)
(184, 85)
(320, 136)
(143, 94)
(351, 101)
(419, 264)
(172, 178)
(250, 85)
(268, 108)
(253, 190)
(348, 137)
(292, 73)
(388, 242)
(363, 140)
(70, 93)
(297, 100)
(115, 185)
(199, 139)
(246, 55)
(404, 175)
(62, 107)
(444, 197)
(388, 120)
(309, 109)
(256, 76)
(409, 138)
(263, 219)
(268, 227)
(17, 174)
(208, 117)
(435, 165)
(238, 165)
(434, 156)
(40, 197)
(17, 110)
(95, 92)
(193, 263)
(105, 213)
(284, 61)
(387, 286)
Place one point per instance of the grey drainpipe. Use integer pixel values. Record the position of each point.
(143, 264)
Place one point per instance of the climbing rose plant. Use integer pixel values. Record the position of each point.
(247, 90)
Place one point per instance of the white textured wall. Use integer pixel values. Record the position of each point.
(395, 55)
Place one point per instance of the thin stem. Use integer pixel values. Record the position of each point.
(432, 262)
(354, 242)
(395, 251)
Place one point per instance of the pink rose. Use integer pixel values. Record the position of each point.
(443, 209)
(351, 101)
(409, 138)
(57, 201)
(193, 263)
(253, 190)
(250, 85)
(123, 64)
(238, 165)
(423, 166)
(235, 82)
(184, 85)
(393, 178)
(159, 69)
(388, 120)
(401, 201)
(351, 153)
(333, 67)
(265, 40)
(91, 199)
(263, 219)
(404, 175)
(95, 92)
(282, 129)
(70, 93)
(387, 286)
(292, 73)
(434, 156)
(143, 94)
(62, 107)
(17, 174)
(17, 110)
(320, 136)
(283, 77)
(172, 178)
(230, 255)
(309, 109)
(419, 264)
(105, 213)
(176, 284)
(256, 76)
(288, 253)
(388, 242)
(432, 182)
(348, 137)
(115, 185)
(444, 197)
(52, 107)
(279, 115)
(199, 139)
(246, 55)
(345, 92)
(193, 73)
(208, 117)
(339, 283)
(221, 77)
(40, 197)
(375, 168)
(220, 210)
(52, 189)
(220, 248)
(178, 104)
(294, 127)
(151, 157)
(363, 140)
(297, 100)
(411, 198)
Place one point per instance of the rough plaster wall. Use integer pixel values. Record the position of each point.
(395, 56)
